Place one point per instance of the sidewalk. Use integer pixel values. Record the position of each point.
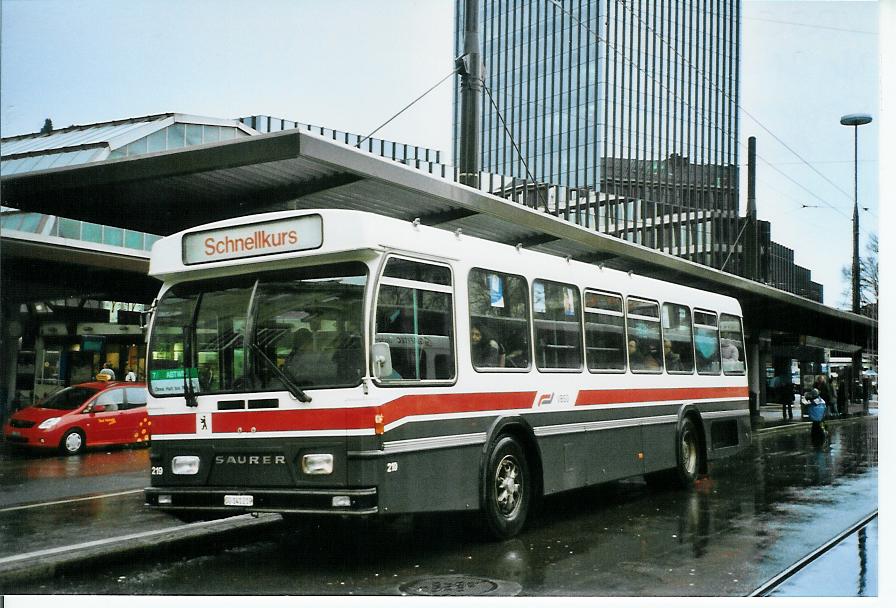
(772, 416)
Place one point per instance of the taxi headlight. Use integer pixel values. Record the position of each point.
(185, 465)
(48, 423)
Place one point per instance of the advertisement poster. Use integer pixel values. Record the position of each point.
(569, 302)
(538, 304)
(496, 291)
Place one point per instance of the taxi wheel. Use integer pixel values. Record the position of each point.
(72, 442)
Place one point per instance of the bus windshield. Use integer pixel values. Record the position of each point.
(252, 332)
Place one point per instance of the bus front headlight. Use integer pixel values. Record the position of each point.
(185, 465)
(317, 464)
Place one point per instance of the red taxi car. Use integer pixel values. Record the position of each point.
(84, 415)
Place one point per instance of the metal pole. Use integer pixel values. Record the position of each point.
(855, 121)
(470, 97)
(856, 300)
(751, 247)
(856, 285)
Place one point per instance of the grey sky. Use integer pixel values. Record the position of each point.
(350, 64)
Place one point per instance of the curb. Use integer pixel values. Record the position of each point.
(793, 426)
(49, 562)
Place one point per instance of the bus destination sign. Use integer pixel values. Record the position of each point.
(282, 236)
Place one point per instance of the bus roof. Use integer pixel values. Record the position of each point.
(277, 240)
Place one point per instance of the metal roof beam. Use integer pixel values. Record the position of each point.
(446, 217)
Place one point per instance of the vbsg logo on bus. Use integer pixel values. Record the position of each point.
(293, 234)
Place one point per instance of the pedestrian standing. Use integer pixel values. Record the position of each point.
(108, 371)
(817, 410)
(131, 376)
(824, 391)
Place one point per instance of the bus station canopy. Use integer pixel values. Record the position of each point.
(166, 192)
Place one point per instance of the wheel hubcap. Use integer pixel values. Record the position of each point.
(688, 452)
(508, 486)
(73, 442)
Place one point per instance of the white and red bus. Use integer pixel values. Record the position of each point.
(343, 362)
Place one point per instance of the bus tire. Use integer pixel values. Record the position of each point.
(508, 489)
(689, 451)
(688, 458)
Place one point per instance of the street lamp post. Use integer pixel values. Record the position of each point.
(855, 121)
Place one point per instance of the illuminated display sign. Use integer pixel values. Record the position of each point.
(234, 242)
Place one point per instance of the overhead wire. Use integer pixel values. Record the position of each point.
(718, 88)
(814, 26)
(397, 114)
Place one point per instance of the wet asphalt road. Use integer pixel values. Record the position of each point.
(751, 518)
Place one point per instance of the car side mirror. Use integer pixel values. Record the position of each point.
(382, 360)
(97, 408)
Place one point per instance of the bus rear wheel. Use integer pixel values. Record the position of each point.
(689, 459)
(507, 489)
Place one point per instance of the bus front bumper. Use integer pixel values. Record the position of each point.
(342, 501)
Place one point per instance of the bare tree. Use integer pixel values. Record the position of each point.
(868, 278)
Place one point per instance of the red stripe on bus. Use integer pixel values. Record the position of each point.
(353, 418)
(173, 424)
(639, 395)
(336, 419)
(324, 419)
(423, 405)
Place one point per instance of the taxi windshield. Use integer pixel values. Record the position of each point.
(68, 398)
(269, 331)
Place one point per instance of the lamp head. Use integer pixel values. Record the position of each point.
(855, 120)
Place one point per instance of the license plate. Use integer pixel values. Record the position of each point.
(15, 434)
(238, 500)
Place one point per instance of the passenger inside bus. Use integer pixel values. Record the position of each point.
(729, 351)
(302, 360)
(640, 358)
(730, 356)
(348, 355)
(486, 352)
(706, 345)
(673, 359)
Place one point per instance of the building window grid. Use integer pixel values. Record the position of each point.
(97, 233)
(694, 188)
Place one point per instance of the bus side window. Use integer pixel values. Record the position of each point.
(706, 342)
(415, 317)
(678, 341)
(733, 355)
(604, 332)
(558, 326)
(499, 320)
(645, 350)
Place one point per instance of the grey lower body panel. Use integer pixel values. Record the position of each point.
(436, 465)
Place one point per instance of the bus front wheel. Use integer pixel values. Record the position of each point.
(507, 489)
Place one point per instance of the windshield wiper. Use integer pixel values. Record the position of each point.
(291, 386)
(189, 393)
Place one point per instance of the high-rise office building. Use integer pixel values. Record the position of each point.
(629, 107)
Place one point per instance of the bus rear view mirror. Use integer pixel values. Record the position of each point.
(382, 360)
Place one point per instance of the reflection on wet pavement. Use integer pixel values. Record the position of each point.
(754, 516)
(21, 465)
